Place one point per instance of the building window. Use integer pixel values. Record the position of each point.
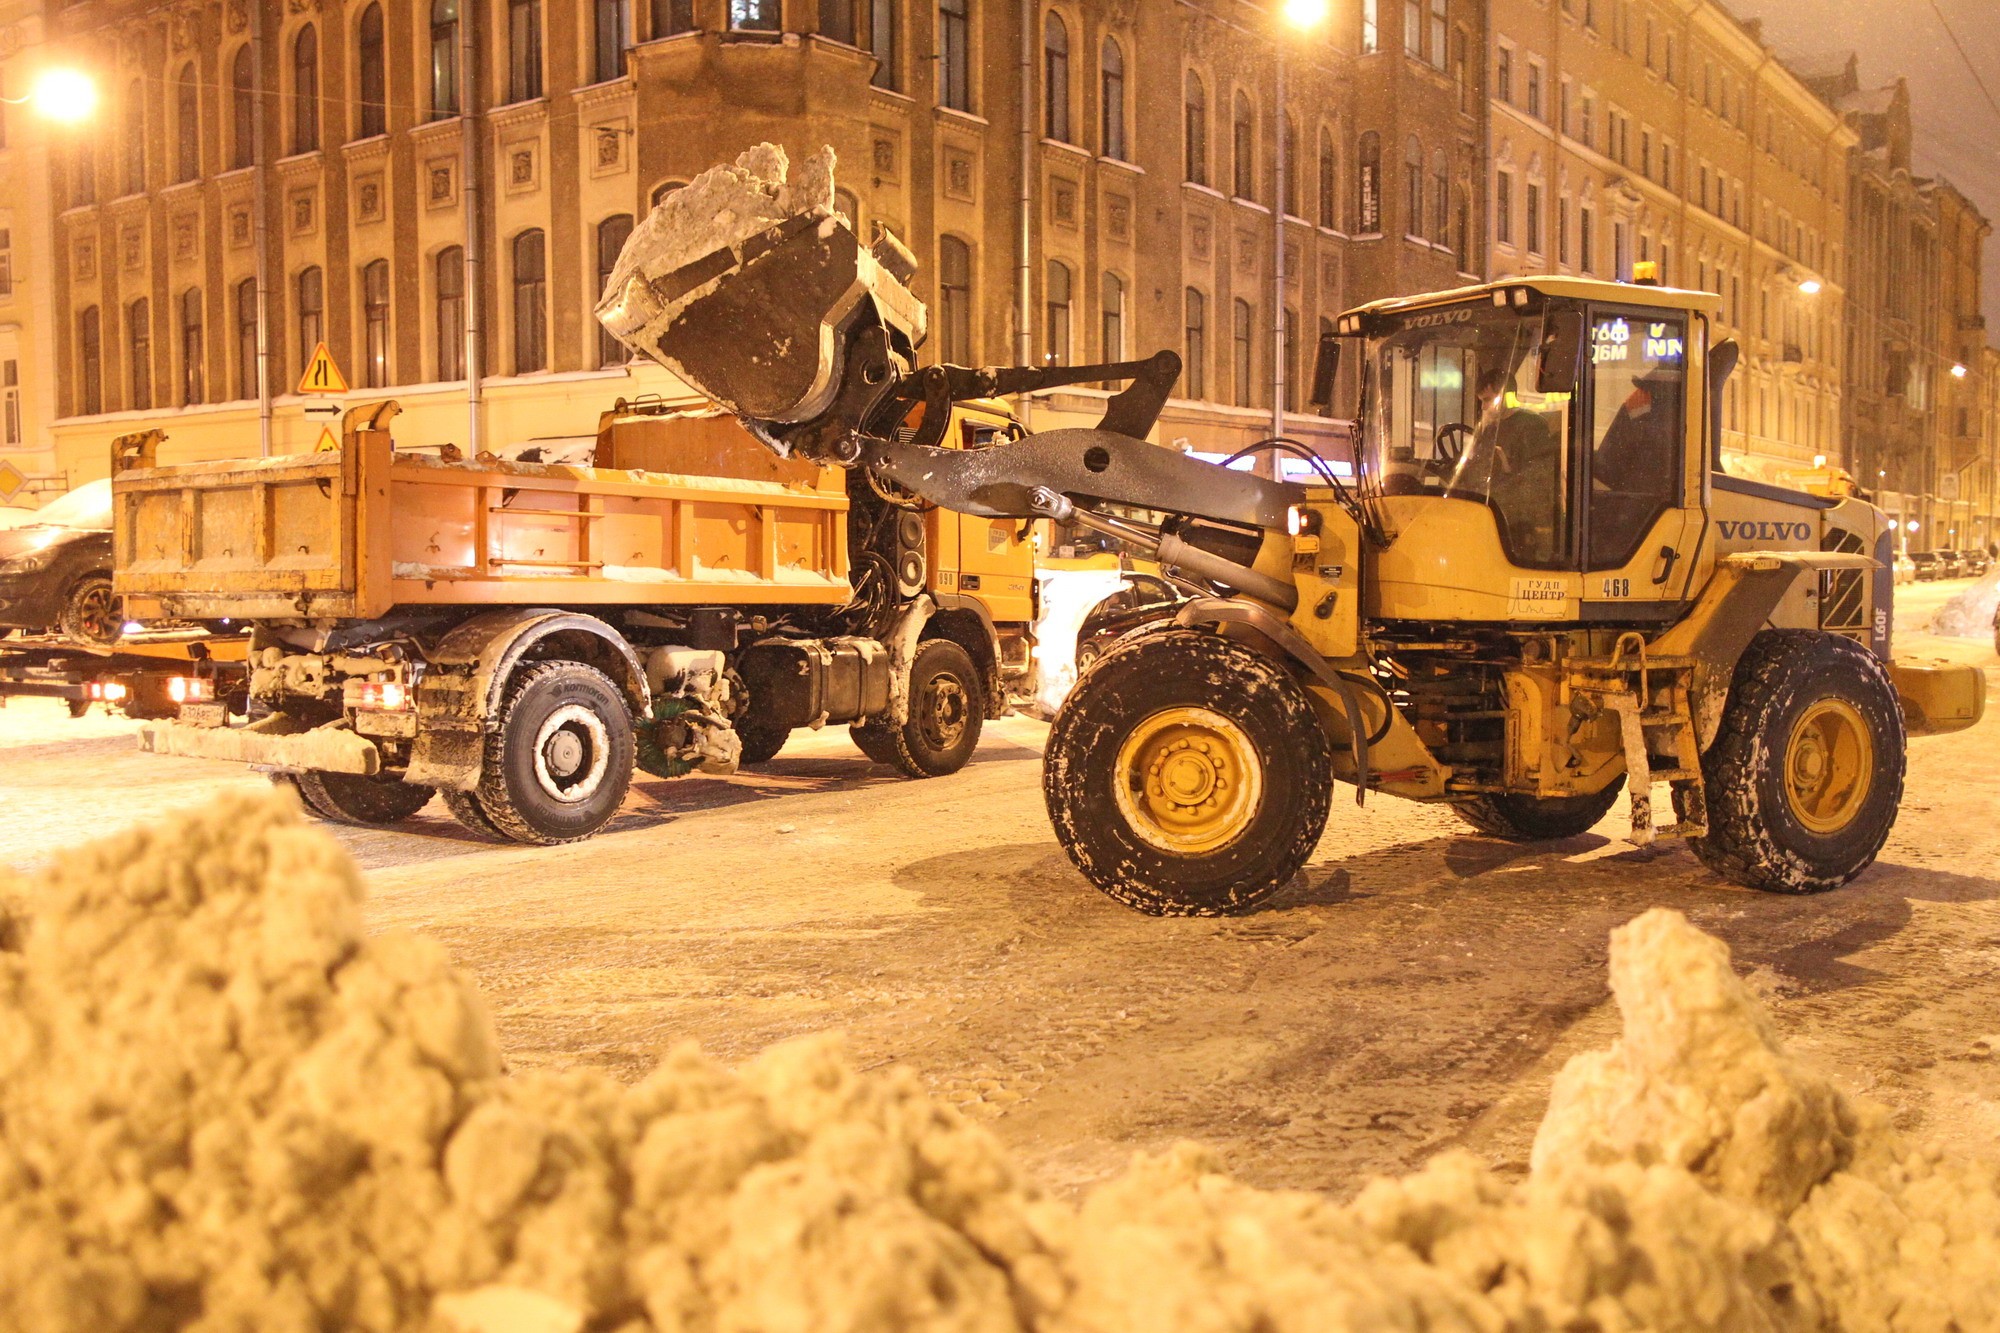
(444, 59)
(1562, 231)
(1534, 218)
(373, 82)
(1503, 208)
(1413, 28)
(246, 338)
(884, 39)
(754, 15)
(193, 387)
(1329, 182)
(1291, 342)
(1461, 244)
(1586, 239)
(305, 90)
(531, 303)
(1534, 90)
(1371, 27)
(839, 21)
(243, 109)
(1440, 195)
(1241, 387)
(1368, 187)
(1194, 114)
(1503, 74)
(1586, 128)
(1621, 253)
(90, 356)
(10, 401)
(375, 324)
(1413, 188)
(187, 125)
(1437, 33)
(1244, 141)
(138, 353)
(1111, 89)
(6, 262)
(1058, 304)
(449, 275)
(612, 233)
(1113, 348)
(135, 138)
(83, 175)
(1194, 369)
(610, 36)
(1293, 167)
(312, 313)
(1055, 78)
(955, 54)
(524, 50)
(954, 301)
(672, 17)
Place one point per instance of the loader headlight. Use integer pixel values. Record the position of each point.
(1301, 521)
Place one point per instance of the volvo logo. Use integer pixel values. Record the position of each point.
(1765, 532)
(1437, 318)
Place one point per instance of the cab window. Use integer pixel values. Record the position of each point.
(1638, 368)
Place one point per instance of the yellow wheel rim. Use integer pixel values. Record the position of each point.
(1188, 781)
(1829, 765)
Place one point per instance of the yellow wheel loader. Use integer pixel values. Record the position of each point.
(1539, 589)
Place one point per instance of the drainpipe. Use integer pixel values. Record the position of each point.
(1278, 270)
(468, 193)
(260, 226)
(1024, 336)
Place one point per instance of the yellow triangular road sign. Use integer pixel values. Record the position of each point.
(329, 443)
(12, 479)
(322, 376)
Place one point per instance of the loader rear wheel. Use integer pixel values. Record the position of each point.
(1522, 818)
(946, 714)
(349, 798)
(1187, 775)
(560, 761)
(471, 815)
(1806, 772)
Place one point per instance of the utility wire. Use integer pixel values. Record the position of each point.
(1970, 68)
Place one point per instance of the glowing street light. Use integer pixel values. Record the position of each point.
(1958, 372)
(1810, 287)
(66, 96)
(1305, 13)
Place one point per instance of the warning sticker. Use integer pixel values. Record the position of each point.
(1537, 599)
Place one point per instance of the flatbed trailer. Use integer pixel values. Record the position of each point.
(149, 676)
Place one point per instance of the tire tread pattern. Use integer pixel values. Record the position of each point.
(494, 800)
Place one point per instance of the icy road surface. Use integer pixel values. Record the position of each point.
(1415, 992)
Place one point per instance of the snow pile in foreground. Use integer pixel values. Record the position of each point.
(1969, 615)
(222, 1106)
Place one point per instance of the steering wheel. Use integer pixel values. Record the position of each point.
(1449, 447)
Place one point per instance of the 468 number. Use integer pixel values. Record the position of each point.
(1617, 587)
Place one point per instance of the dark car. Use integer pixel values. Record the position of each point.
(1145, 599)
(1930, 566)
(55, 572)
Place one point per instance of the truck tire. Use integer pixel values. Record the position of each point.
(1522, 818)
(560, 761)
(761, 744)
(348, 798)
(471, 815)
(1187, 775)
(1805, 775)
(90, 612)
(945, 716)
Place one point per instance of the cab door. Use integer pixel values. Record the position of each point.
(995, 560)
(1644, 391)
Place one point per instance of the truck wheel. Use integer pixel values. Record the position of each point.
(1806, 773)
(1522, 818)
(90, 612)
(1187, 775)
(465, 808)
(946, 713)
(348, 798)
(560, 761)
(761, 744)
(78, 707)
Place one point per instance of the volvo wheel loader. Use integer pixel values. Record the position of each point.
(1539, 588)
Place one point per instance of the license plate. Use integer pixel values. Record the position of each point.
(205, 715)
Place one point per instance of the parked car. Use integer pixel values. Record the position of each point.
(55, 572)
(1930, 565)
(1978, 562)
(1145, 598)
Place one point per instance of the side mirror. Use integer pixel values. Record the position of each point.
(1326, 365)
(1562, 352)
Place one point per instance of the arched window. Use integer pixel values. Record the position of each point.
(135, 138)
(524, 50)
(375, 324)
(187, 125)
(243, 109)
(1294, 168)
(954, 301)
(665, 188)
(1329, 182)
(1113, 311)
(1111, 68)
(955, 54)
(1194, 370)
(610, 33)
(246, 338)
(371, 81)
(305, 90)
(193, 383)
(1440, 197)
(531, 303)
(1244, 141)
(1194, 105)
(612, 234)
(448, 274)
(311, 299)
(444, 58)
(1055, 78)
(1058, 302)
(1413, 188)
(1240, 384)
(1368, 187)
(90, 360)
(846, 202)
(139, 353)
(672, 17)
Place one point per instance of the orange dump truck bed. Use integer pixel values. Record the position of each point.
(348, 535)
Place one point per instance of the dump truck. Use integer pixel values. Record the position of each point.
(1540, 588)
(518, 635)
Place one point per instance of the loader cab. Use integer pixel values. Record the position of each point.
(1533, 451)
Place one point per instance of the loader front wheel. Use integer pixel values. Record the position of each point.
(1522, 818)
(1805, 775)
(1187, 775)
(560, 761)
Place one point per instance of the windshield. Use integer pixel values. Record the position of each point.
(88, 506)
(1452, 411)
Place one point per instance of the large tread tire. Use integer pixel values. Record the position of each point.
(464, 806)
(348, 798)
(1134, 688)
(761, 744)
(90, 612)
(1522, 818)
(551, 802)
(946, 715)
(1755, 836)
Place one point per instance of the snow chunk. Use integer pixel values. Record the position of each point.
(1969, 615)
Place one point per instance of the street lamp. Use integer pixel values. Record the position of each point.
(1303, 14)
(66, 96)
(1810, 287)
(1300, 16)
(1958, 372)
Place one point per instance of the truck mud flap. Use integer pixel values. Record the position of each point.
(323, 750)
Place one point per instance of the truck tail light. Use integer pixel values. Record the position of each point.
(376, 695)
(190, 689)
(106, 691)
